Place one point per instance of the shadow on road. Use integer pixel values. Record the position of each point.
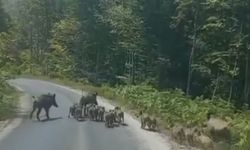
(115, 125)
(81, 120)
(151, 130)
(124, 124)
(51, 119)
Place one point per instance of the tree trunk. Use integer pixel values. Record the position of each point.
(246, 83)
(97, 61)
(130, 66)
(133, 67)
(231, 86)
(191, 56)
(31, 50)
(216, 87)
(230, 92)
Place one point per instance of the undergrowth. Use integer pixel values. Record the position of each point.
(8, 100)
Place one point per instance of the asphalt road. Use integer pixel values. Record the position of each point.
(62, 133)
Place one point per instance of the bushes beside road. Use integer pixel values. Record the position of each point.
(8, 100)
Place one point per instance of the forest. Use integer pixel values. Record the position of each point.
(191, 55)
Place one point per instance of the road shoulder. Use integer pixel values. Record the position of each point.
(7, 126)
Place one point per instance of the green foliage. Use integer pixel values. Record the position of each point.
(8, 61)
(4, 18)
(8, 96)
(64, 37)
(241, 131)
(138, 40)
(173, 105)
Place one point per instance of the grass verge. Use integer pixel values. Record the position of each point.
(8, 101)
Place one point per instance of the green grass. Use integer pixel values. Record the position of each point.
(8, 101)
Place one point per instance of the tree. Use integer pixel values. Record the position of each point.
(126, 26)
(188, 19)
(4, 19)
(198, 46)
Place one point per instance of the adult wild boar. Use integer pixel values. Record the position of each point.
(88, 99)
(44, 101)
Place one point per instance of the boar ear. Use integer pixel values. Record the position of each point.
(54, 95)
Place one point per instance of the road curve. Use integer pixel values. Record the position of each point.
(68, 134)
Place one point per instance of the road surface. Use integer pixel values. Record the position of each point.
(62, 133)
